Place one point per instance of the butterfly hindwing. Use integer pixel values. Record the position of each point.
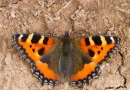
(83, 67)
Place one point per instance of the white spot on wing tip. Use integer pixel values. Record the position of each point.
(112, 39)
(21, 35)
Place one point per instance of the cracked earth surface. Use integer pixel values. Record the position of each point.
(80, 18)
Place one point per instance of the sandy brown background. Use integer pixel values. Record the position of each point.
(79, 17)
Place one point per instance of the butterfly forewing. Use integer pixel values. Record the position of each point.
(97, 47)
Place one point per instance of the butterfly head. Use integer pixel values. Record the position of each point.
(66, 36)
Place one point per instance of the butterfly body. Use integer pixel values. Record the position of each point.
(55, 60)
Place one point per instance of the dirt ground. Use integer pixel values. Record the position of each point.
(79, 17)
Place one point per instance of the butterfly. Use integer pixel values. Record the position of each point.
(55, 60)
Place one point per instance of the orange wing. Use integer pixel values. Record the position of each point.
(45, 53)
(36, 49)
(93, 50)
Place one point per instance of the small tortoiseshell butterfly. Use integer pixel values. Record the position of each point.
(54, 59)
